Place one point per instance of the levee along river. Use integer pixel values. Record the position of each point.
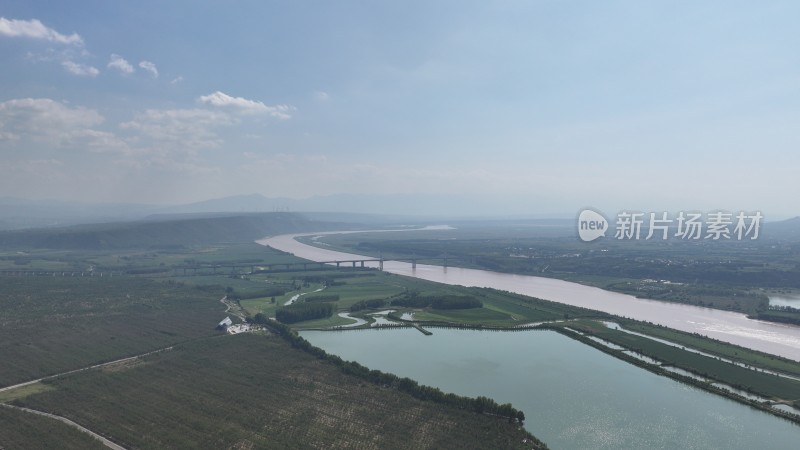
(736, 328)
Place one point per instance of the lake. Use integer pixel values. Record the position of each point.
(573, 396)
(790, 300)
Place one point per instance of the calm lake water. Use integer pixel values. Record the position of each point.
(573, 396)
(791, 300)
(778, 339)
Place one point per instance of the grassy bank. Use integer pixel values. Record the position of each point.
(718, 348)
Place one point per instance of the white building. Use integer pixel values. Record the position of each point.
(225, 323)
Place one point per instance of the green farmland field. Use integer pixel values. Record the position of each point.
(256, 391)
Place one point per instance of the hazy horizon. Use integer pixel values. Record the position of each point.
(518, 107)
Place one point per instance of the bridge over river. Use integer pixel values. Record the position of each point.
(365, 262)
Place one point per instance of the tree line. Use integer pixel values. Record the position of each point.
(269, 292)
(787, 315)
(304, 311)
(367, 304)
(321, 298)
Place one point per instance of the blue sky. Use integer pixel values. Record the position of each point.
(530, 106)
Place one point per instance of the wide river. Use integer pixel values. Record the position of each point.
(778, 339)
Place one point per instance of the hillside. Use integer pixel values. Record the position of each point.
(171, 232)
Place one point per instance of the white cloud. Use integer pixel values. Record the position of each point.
(322, 96)
(35, 29)
(176, 80)
(56, 125)
(80, 69)
(149, 67)
(221, 99)
(38, 169)
(180, 129)
(97, 142)
(121, 64)
(45, 114)
(8, 136)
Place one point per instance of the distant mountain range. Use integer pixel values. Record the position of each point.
(400, 205)
(187, 230)
(18, 213)
(789, 228)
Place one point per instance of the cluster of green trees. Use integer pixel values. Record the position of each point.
(322, 279)
(438, 302)
(259, 318)
(368, 304)
(784, 308)
(773, 314)
(481, 405)
(261, 293)
(304, 311)
(147, 271)
(322, 298)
